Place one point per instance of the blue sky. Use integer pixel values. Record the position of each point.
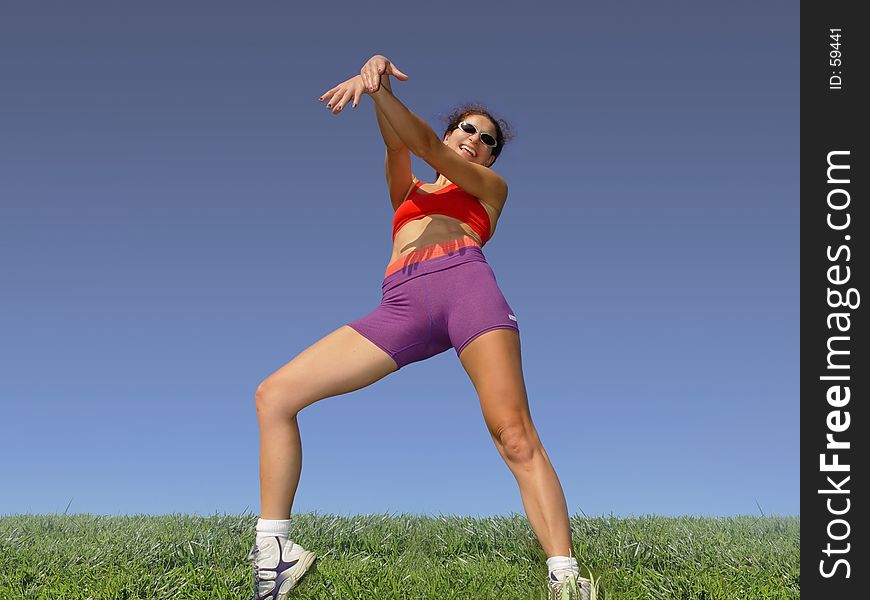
(180, 216)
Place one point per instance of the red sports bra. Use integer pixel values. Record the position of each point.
(450, 200)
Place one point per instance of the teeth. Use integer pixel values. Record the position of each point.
(467, 149)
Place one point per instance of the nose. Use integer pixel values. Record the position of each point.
(474, 141)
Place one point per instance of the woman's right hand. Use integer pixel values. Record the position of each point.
(376, 66)
(340, 94)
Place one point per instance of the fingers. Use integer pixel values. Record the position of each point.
(342, 100)
(357, 91)
(394, 70)
(371, 73)
(331, 95)
(339, 95)
(371, 79)
(328, 93)
(373, 70)
(385, 65)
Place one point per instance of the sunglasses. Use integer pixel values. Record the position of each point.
(484, 137)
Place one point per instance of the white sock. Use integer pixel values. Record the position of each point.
(273, 528)
(563, 565)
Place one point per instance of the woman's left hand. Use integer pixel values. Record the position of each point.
(339, 95)
(376, 66)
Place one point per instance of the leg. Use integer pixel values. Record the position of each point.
(493, 362)
(341, 362)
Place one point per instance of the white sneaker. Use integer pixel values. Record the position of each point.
(278, 567)
(569, 587)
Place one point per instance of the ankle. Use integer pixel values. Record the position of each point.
(273, 528)
(562, 565)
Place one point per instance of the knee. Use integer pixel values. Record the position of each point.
(518, 442)
(270, 402)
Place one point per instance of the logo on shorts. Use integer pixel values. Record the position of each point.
(512, 318)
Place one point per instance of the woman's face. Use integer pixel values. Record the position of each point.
(468, 145)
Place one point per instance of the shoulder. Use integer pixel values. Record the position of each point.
(481, 182)
(494, 207)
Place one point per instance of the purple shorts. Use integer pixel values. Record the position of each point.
(436, 298)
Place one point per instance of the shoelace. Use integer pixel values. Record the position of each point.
(567, 588)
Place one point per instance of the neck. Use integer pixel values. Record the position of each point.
(442, 180)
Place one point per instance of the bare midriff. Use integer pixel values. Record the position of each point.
(430, 230)
(436, 229)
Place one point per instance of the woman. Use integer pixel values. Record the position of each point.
(438, 292)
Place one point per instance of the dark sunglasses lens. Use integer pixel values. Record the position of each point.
(484, 137)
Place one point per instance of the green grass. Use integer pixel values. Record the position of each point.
(405, 557)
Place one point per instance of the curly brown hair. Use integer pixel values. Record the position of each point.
(503, 130)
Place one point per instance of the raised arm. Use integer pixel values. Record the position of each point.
(417, 136)
(479, 181)
(391, 138)
(373, 74)
(397, 163)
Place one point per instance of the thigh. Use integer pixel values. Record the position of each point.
(340, 362)
(493, 362)
(474, 304)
